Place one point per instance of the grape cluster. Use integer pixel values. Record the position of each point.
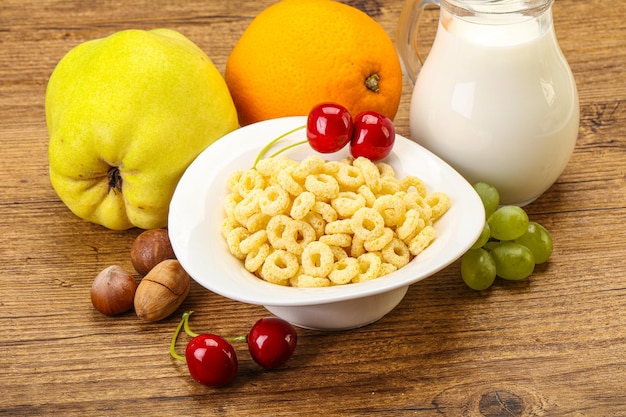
(509, 246)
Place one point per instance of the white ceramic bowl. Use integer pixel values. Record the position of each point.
(196, 214)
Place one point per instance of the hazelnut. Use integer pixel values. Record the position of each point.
(150, 248)
(162, 291)
(113, 291)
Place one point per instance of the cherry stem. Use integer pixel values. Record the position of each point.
(184, 324)
(273, 142)
(175, 337)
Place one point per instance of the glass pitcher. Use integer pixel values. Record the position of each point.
(495, 97)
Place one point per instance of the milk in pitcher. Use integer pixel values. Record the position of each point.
(497, 101)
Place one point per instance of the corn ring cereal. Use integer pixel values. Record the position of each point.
(369, 267)
(339, 226)
(422, 240)
(297, 235)
(307, 281)
(411, 181)
(347, 203)
(389, 185)
(367, 223)
(357, 248)
(274, 200)
(379, 242)
(411, 225)
(327, 211)
(253, 241)
(338, 253)
(317, 259)
(287, 183)
(331, 168)
(302, 205)
(310, 165)
(256, 222)
(255, 258)
(343, 240)
(396, 253)
(324, 186)
(439, 203)
(368, 194)
(234, 239)
(249, 180)
(350, 177)
(392, 208)
(385, 170)
(370, 173)
(344, 271)
(317, 222)
(247, 207)
(279, 267)
(387, 268)
(275, 229)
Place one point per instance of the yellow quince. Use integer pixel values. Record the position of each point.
(126, 116)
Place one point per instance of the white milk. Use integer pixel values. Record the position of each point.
(498, 103)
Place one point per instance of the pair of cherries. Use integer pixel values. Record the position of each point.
(330, 127)
(212, 360)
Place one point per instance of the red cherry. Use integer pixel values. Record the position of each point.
(271, 342)
(373, 136)
(329, 127)
(211, 360)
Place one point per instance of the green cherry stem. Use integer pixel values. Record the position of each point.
(175, 337)
(273, 142)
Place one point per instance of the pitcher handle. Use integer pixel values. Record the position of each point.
(406, 37)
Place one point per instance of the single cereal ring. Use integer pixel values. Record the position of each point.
(439, 203)
(385, 170)
(310, 165)
(349, 177)
(327, 211)
(297, 235)
(324, 186)
(274, 201)
(228, 225)
(369, 267)
(256, 222)
(253, 241)
(307, 281)
(379, 242)
(230, 203)
(357, 249)
(302, 205)
(411, 225)
(389, 185)
(248, 206)
(347, 203)
(344, 271)
(411, 181)
(269, 166)
(317, 259)
(396, 253)
(386, 269)
(249, 180)
(275, 230)
(370, 173)
(339, 226)
(233, 179)
(317, 222)
(337, 239)
(367, 223)
(338, 253)
(422, 240)
(234, 239)
(279, 267)
(288, 183)
(392, 208)
(331, 168)
(255, 258)
(368, 194)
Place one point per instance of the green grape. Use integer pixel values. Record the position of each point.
(489, 196)
(514, 261)
(538, 240)
(508, 223)
(483, 238)
(478, 269)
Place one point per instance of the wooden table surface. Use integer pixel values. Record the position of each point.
(553, 345)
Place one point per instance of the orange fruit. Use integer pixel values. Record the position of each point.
(299, 53)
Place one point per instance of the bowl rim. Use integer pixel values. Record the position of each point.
(191, 203)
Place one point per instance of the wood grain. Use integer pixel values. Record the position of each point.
(554, 345)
